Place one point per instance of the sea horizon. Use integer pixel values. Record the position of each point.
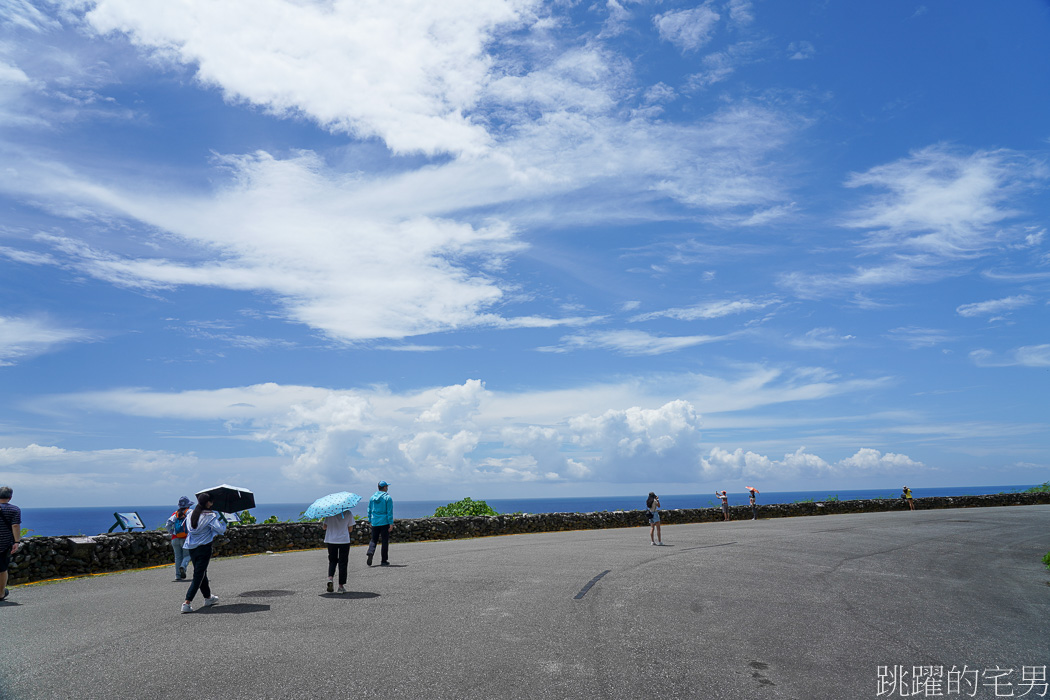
(73, 520)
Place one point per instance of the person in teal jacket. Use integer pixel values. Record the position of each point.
(381, 517)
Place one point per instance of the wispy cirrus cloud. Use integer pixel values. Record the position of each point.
(710, 310)
(25, 337)
(994, 307)
(631, 342)
(1027, 356)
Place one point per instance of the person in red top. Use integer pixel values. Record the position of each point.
(176, 527)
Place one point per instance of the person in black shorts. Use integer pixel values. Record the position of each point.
(10, 534)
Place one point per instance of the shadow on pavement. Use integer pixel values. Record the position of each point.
(235, 609)
(350, 595)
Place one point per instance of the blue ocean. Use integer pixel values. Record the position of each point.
(44, 522)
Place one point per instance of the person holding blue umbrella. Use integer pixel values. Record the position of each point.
(338, 525)
(381, 517)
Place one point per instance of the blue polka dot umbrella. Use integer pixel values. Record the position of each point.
(332, 504)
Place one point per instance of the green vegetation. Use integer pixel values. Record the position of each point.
(25, 532)
(833, 498)
(1042, 488)
(272, 520)
(463, 508)
(1046, 559)
(805, 500)
(246, 519)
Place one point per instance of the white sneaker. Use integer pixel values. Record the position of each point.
(653, 543)
(208, 602)
(659, 544)
(186, 608)
(341, 590)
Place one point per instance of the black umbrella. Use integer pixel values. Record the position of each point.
(230, 499)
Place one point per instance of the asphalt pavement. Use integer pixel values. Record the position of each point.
(816, 607)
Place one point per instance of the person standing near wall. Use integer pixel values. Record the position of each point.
(337, 536)
(202, 526)
(906, 495)
(652, 506)
(725, 504)
(10, 535)
(176, 527)
(751, 501)
(381, 517)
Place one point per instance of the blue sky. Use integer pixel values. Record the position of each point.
(509, 248)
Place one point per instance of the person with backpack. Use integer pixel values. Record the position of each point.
(176, 527)
(652, 509)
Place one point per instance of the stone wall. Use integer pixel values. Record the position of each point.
(42, 558)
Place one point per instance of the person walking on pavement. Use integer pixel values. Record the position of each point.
(202, 527)
(381, 517)
(176, 527)
(10, 534)
(652, 506)
(725, 504)
(337, 536)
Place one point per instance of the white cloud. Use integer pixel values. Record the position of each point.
(631, 342)
(688, 29)
(917, 337)
(402, 71)
(1027, 356)
(994, 307)
(51, 459)
(22, 338)
(801, 50)
(709, 310)
(821, 339)
(873, 461)
(723, 464)
(942, 201)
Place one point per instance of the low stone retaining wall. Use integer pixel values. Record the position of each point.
(41, 558)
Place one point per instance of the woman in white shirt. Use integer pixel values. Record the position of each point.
(201, 528)
(337, 530)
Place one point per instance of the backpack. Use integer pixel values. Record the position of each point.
(180, 525)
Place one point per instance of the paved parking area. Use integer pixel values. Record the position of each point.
(788, 608)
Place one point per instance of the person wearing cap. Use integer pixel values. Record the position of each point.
(906, 495)
(176, 527)
(10, 534)
(381, 517)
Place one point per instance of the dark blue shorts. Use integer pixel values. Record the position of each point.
(5, 559)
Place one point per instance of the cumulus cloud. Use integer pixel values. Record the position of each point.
(22, 338)
(723, 464)
(688, 29)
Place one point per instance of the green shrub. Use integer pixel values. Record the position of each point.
(832, 498)
(1042, 488)
(1046, 559)
(26, 531)
(463, 508)
(805, 500)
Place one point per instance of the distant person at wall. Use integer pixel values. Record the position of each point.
(176, 527)
(906, 495)
(381, 517)
(202, 526)
(725, 504)
(10, 534)
(337, 536)
(652, 507)
(751, 501)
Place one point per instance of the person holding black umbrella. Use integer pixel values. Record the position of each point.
(202, 526)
